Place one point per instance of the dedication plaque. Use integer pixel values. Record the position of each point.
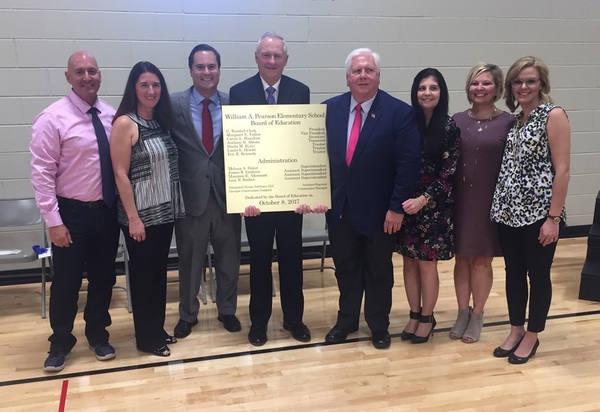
(275, 157)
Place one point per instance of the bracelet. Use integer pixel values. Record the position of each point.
(555, 219)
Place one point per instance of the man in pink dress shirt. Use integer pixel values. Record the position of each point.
(82, 222)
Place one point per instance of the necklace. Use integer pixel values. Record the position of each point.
(481, 123)
(475, 139)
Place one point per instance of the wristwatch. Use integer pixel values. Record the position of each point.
(555, 219)
(427, 196)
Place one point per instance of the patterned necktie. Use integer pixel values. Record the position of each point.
(270, 95)
(354, 132)
(106, 171)
(207, 127)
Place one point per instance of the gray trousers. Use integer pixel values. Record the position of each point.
(192, 235)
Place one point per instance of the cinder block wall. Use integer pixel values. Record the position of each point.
(37, 36)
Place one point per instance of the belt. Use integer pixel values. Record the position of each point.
(76, 204)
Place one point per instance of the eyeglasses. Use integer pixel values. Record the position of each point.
(528, 82)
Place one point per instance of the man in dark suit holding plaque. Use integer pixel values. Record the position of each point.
(270, 86)
(374, 154)
(198, 135)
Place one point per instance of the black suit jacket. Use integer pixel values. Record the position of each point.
(250, 91)
(385, 165)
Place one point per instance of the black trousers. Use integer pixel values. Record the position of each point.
(525, 257)
(363, 265)
(95, 235)
(286, 228)
(148, 281)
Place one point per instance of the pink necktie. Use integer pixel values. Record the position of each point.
(354, 132)
(207, 127)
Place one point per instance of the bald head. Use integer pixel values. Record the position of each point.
(84, 76)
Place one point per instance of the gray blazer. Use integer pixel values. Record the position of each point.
(198, 170)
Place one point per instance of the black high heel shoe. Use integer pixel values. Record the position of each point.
(163, 351)
(425, 319)
(504, 353)
(517, 360)
(408, 335)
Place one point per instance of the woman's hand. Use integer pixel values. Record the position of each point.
(414, 205)
(137, 231)
(548, 233)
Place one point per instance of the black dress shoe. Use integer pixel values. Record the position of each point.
(505, 353)
(183, 328)
(517, 360)
(230, 323)
(338, 334)
(257, 336)
(381, 339)
(299, 331)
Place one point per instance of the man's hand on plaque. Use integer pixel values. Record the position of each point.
(251, 211)
(320, 209)
(303, 209)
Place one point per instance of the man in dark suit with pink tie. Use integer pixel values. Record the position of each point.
(374, 153)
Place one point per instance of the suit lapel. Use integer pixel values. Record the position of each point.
(284, 91)
(258, 94)
(341, 114)
(185, 101)
(224, 99)
(368, 126)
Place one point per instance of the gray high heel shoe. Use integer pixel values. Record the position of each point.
(473, 331)
(460, 326)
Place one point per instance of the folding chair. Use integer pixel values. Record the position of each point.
(19, 219)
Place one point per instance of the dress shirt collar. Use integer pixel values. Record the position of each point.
(82, 104)
(197, 97)
(365, 106)
(275, 86)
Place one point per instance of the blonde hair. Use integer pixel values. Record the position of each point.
(513, 72)
(496, 73)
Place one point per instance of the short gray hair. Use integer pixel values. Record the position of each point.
(360, 52)
(272, 34)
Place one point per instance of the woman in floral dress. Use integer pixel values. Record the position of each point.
(426, 233)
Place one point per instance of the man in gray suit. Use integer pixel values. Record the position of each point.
(198, 134)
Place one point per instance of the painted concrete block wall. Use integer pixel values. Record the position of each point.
(37, 36)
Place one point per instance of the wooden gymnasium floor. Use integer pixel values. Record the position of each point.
(220, 371)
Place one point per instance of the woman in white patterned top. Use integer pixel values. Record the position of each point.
(529, 202)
